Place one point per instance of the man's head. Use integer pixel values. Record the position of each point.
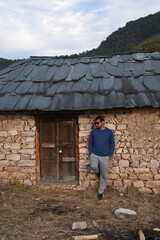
(99, 122)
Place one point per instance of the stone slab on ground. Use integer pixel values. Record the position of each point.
(79, 225)
(123, 212)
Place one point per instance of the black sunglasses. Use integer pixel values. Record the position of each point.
(97, 123)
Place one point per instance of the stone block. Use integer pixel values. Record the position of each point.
(119, 151)
(15, 146)
(27, 182)
(117, 183)
(153, 184)
(133, 177)
(124, 163)
(143, 165)
(27, 170)
(145, 176)
(28, 145)
(3, 134)
(4, 175)
(31, 122)
(135, 157)
(86, 184)
(138, 184)
(121, 127)
(93, 184)
(113, 176)
(115, 169)
(84, 120)
(126, 156)
(2, 156)
(129, 170)
(109, 182)
(26, 163)
(13, 157)
(18, 128)
(83, 145)
(111, 126)
(13, 133)
(157, 127)
(28, 151)
(28, 134)
(135, 164)
(18, 175)
(145, 190)
(137, 145)
(7, 126)
(83, 150)
(7, 145)
(157, 177)
(127, 183)
(91, 176)
(123, 175)
(4, 163)
(27, 139)
(141, 170)
(156, 190)
(153, 164)
(25, 157)
(12, 169)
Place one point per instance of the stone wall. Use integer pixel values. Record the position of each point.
(136, 160)
(17, 148)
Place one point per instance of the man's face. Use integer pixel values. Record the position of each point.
(99, 124)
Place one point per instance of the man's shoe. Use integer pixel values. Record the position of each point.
(101, 196)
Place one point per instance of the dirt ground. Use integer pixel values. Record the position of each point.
(32, 213)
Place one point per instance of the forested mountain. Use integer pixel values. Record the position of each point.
(125, 39)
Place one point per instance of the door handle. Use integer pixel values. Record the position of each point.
(60, 145)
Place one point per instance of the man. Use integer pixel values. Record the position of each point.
(101, 147)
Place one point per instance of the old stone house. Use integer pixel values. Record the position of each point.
(47, 108)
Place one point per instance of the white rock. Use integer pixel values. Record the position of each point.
(79, 225)
(122, 212)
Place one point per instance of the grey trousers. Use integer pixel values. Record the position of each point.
(98, 163)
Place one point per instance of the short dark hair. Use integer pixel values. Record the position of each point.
(100, 118)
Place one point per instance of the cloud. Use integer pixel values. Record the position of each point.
(59, 27)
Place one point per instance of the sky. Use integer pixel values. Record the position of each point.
(63, 27)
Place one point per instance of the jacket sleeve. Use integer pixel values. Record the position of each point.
(112, 144)
(90, 143)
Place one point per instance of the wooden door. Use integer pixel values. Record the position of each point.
(58, 150)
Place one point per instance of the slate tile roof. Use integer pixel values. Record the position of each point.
(54, 84)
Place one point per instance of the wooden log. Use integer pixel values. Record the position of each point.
(85, 237)
(141, 235)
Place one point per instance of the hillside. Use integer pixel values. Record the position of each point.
(127, 38)
(4, 63)
(149, 45)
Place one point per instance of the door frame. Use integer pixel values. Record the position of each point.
(57, 116)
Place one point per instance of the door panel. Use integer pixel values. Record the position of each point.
(48, 150)
(58, 150)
